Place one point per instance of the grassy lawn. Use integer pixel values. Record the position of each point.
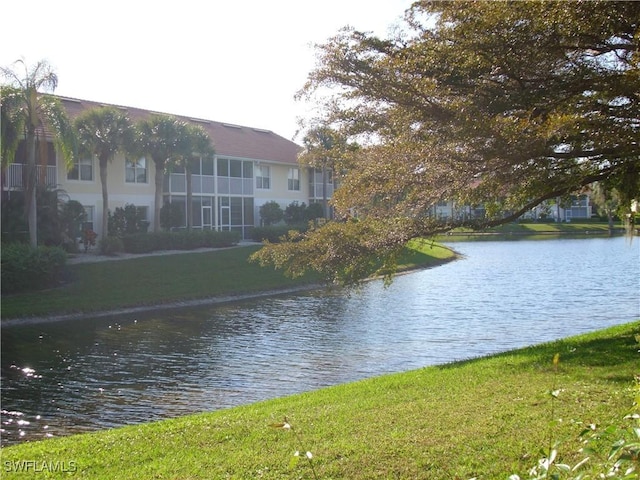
(485, 418)
(537, 230)
(165, 279)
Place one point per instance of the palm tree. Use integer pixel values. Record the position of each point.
(103, 132)
(193, 142)
(158, 137)
(34, 116)
(9, 126)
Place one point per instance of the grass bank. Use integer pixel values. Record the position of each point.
(519, 230)
(485, 418)
(155, 280)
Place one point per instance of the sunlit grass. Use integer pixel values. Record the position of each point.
(484, 418)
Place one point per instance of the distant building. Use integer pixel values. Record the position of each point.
(579, 207)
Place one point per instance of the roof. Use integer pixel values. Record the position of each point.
(229, 140)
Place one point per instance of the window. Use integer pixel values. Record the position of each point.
(263, 177)
(143, 213)
(194, 165)
(231, 168)
(207, 166)
(318, 173)
(235, 168)
(223, 167)
(88, 223)
(293, 180)
(82, 169)
(136, 170)
(247, 170)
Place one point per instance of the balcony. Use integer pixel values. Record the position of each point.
(13, 177)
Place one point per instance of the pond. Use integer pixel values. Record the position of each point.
(82, 375)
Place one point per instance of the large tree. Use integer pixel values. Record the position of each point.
(194, 143)
(159, 137)
(504, 104)
(103, 132)
(32, 116)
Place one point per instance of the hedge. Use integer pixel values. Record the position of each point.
(186, 240)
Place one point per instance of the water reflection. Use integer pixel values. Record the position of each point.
(82, 375)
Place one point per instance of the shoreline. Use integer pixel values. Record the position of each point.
(198, 302)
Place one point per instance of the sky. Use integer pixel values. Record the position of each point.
(233, 61)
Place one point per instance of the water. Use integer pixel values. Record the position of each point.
(84, 375)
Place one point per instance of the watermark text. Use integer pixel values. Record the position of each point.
(39, 466)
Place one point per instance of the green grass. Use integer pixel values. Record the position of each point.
(517, 230)
(173, 278)
(485, 418)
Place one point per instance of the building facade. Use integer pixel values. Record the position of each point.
(251, 166)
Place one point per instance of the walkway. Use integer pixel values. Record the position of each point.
(94, 257)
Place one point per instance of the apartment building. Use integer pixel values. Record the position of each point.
(251, 166)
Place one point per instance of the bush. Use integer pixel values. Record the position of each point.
(72, 217)
(271, 213)
(313, 212)
(274, 232)
(184, 240)
(140, 243)
(111, 245)
(25, 268)
(51, 221)
(127, 220)
(301, 213)
(295, 213)
(172, 215)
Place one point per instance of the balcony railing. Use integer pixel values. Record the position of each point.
(14, 178)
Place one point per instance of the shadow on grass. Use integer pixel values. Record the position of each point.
(616, 349)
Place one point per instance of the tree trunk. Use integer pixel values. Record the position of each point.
(30, 190)
(610, 220)
(158, 197)
(188, 179)
(324, 189)
(105, 198)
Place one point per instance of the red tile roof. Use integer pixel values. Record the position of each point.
(229, 140)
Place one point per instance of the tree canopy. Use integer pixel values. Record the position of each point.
(158, 137)
(103, 132)
(167, 139)
(499, 104)
(30, 115)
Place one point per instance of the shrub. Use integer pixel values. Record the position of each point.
(274, 232)
(140, 243)
(51, 226)
(221, 239)
(25, 268)
(172, 215)
(72, 217)
(313, 212)
(271, 213)
(184, 240)
(111, 245)
(295, 213)
(127, 220)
